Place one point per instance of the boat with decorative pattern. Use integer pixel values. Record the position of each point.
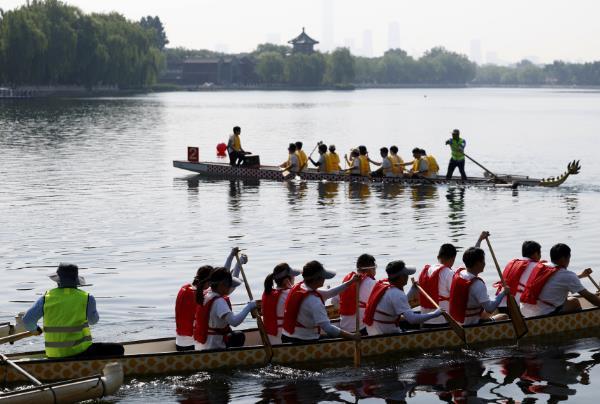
(158, 356)
(275, 173)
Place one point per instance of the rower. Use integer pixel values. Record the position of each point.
(397, 162)
(305, 314)
(432, 165)
(234, 148)
(334, 159)
(436, 280)
(353, 163)
(323, 165)
(302, 159)
(517, 271)
(548, 286)
(293, 163)
(420, 167)
(385, 167)
(190, 295)
(68, 313)
(388, 302)
(214, 317)
(363, 158)
(457, 157)
(469, 298)
(366, 269)
(273, 300)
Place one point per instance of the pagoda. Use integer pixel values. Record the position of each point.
(303, 43)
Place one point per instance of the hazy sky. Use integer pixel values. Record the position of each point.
(491, 31)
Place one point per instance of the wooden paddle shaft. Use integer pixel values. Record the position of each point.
(425, 294)
(17, 337)
(496, 263)
(20, 370)
(481, 166)
(594, 282)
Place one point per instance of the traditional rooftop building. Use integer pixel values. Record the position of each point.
(303, 43)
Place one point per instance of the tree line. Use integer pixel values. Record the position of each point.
(48, 42)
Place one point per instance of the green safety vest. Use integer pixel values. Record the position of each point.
(457, 153)
(66, 328)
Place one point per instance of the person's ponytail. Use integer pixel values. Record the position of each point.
(269, 283)
(199, 296)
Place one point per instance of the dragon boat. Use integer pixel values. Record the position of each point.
(224, 170)
(159, 357)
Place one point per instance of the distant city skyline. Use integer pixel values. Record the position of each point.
(505, 32)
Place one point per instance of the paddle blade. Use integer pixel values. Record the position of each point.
(457, 328)
(517, 318)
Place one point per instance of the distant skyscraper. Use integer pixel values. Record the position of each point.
(367, 49)
(476, 55)
(327, 43)
(394, 35)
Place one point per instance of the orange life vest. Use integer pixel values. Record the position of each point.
(269, 311)
(512, 276)
(185, 310)
(348, 296)
(536, 282)
(459, 298)
(377, 293)
(430, 284)
(292, 306)
(201, 328)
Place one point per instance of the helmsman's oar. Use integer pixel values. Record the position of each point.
(357, 317)
(481, 166)
(513, 308)
(259, 322)
(456, 327)
(19, 336)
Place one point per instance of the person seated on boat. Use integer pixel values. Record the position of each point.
(293, 163)
(457, 155)
(363, 158)
(237, 155)
(353, 163)
(469, 298)
(436, 280)
(420, 166)
(547, 289)
(388, 303)
(334, 159)
(432, 165)
(214, 317)
(189, 297)
(273, 299)
(517, 271)
(346, 301)
(68, 313)
(385, 167)
(302, 159)
(323, 164)
(397, 162)
(305, 314)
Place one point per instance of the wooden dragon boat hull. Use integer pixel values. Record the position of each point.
(275, 173)
(156, 357)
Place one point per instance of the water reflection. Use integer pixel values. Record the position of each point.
(299, 391)
(423, 196)
(391, 190)
(296, 190)
(359, 191)
(456, 212)
(328, 191)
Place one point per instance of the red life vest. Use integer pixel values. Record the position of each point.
(201, 328)
(536, 282)
(512, 275)
(348, 296)
(185, 310)
(376, 294)
(459, 298)
(292, 306)
(269, 311)
(431, 285)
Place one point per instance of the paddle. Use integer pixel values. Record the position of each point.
(20, 370)
(319, 143)
(513, 308)
(357, 317)
(481, 166)
(259, 322)
(456, 327)
(594, 282)
(19, 336)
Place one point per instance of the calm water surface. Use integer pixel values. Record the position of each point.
(91, 182)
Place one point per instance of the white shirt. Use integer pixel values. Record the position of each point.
(322, 165)
(280, 308)
(522, 281)
(478, 298)
(312, 313)
(555, 291)
(216, 319)
(386, 166)
(394, 302)
(294, 163)
(423, 166)
(355, 166)
(348, 323)
(444, 284)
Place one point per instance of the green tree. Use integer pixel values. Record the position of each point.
(340, 67)
(304, 70)
(283, 50)
(269, 67)
(155, 25)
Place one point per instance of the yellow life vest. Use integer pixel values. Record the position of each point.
(237, 143)
(328, 168)
(397, 167)
(365, 168)
(434, 168)
(302, 159)
(335, 161)
(415, 165)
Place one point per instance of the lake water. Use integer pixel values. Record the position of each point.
(91, 182)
